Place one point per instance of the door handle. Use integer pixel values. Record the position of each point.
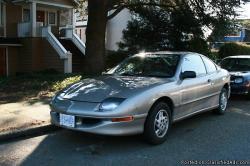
(210, 82)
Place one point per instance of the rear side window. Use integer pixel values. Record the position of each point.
(210, 66)
(194, 63)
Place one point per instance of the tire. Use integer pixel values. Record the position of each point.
(223, 101)
(157, 124)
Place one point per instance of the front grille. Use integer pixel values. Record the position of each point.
(87, 121)
(79, 121)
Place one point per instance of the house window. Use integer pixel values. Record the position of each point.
(26, 15)
(52, 18)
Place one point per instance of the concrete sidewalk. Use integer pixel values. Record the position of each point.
(22, 117)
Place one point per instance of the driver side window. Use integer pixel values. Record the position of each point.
(194, 63)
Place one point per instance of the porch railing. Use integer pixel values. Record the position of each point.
(24, 29)
(69, 34)
(62, 52)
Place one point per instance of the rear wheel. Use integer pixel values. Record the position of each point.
(223, 101)
(157, 123)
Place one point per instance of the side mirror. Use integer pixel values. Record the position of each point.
(187, 74)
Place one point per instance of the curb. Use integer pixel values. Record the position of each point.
(27, 133)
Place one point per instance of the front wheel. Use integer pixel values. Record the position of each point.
(157, 123)
(223, 101)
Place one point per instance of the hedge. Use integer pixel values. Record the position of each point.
(230, 49)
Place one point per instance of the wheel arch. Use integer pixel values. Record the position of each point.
(166, 100)
(226, 86)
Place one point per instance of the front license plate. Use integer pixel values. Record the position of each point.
(67, 120)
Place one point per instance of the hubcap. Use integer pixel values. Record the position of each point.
(223, 101)
(161, 123)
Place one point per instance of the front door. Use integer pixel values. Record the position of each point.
(194, 90)
(40, 16)
(2, 62)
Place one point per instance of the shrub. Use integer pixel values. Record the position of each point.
(230, 49)
(199, 45)
(213, 55)
(58, 85)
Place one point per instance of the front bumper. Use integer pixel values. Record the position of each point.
(239, 89)
(103, 126)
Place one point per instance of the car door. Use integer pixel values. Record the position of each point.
(193, 90)
(214, 80)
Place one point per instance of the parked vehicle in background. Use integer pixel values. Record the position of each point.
(144, 94)
(239, 68)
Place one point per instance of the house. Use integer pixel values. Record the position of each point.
(239, 37)
(37, 35)
(115, 26)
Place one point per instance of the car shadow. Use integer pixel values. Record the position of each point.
(76, 148)
(239, 98)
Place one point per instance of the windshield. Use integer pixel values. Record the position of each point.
(152, 65)
(236, 64)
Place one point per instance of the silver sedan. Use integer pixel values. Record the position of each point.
(144, 94)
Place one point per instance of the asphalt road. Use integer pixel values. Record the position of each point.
(203, 137)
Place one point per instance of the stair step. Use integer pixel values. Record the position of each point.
(77, 55)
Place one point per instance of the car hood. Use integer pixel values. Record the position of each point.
(242, 74)
(100, 88)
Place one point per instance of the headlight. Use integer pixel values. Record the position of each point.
(238, 80)
(110, 104)
(58, 97)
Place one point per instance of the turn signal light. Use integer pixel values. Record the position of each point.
(124, 119)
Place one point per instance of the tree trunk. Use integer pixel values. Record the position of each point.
(95, 36)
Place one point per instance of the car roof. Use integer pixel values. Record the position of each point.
(239, 56)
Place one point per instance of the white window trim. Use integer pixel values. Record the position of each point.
(55, 18)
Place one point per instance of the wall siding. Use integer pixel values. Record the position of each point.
(51, 59)
(36, 54)
(13, 60)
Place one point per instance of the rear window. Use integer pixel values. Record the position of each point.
(236, 64)
(210, 66)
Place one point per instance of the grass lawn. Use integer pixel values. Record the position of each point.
(34, 86)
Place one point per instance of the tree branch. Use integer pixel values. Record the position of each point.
(121, 7)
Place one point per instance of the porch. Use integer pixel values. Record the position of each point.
(39, 14)
(53, 21)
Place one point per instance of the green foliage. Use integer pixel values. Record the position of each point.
(199, 45)
(186, 16)
(58, 85)
(37, 82)
(230, 49)
(221, 28)
(155, 29)
(214, 55)
(245, 23)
